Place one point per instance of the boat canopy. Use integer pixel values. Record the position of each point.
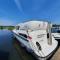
(33, 25)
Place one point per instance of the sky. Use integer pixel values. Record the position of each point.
(13, 12)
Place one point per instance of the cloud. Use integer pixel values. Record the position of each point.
(18, 4)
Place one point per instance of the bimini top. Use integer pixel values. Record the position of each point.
(33, 25)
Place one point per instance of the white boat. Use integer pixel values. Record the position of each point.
(36, 37)
(56, 33)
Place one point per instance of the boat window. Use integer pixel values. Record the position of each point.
(17, 27)
(24, 35)
(58, 31)
(47, 35)
(38, 45)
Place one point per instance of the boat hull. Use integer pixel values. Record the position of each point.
(23, 43)
(29, 49)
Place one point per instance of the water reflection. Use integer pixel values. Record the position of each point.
(8, 50)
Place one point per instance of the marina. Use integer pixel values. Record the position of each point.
(29, 29)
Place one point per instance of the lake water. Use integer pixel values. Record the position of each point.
(7, 49)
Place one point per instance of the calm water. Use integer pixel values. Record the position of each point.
(7, 51)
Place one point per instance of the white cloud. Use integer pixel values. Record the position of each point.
(18, 4)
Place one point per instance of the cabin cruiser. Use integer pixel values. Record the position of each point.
(36, 37)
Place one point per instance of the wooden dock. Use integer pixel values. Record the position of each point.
(56, 56)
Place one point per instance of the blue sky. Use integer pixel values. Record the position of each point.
(13, 12)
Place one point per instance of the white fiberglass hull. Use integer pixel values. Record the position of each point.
(23, 43)
(27, 45)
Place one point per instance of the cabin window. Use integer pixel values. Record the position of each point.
(58, 31)
(38, 45)
(17, 27)
(24, 35)
(47, 35)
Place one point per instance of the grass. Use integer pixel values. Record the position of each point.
(7, 27)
